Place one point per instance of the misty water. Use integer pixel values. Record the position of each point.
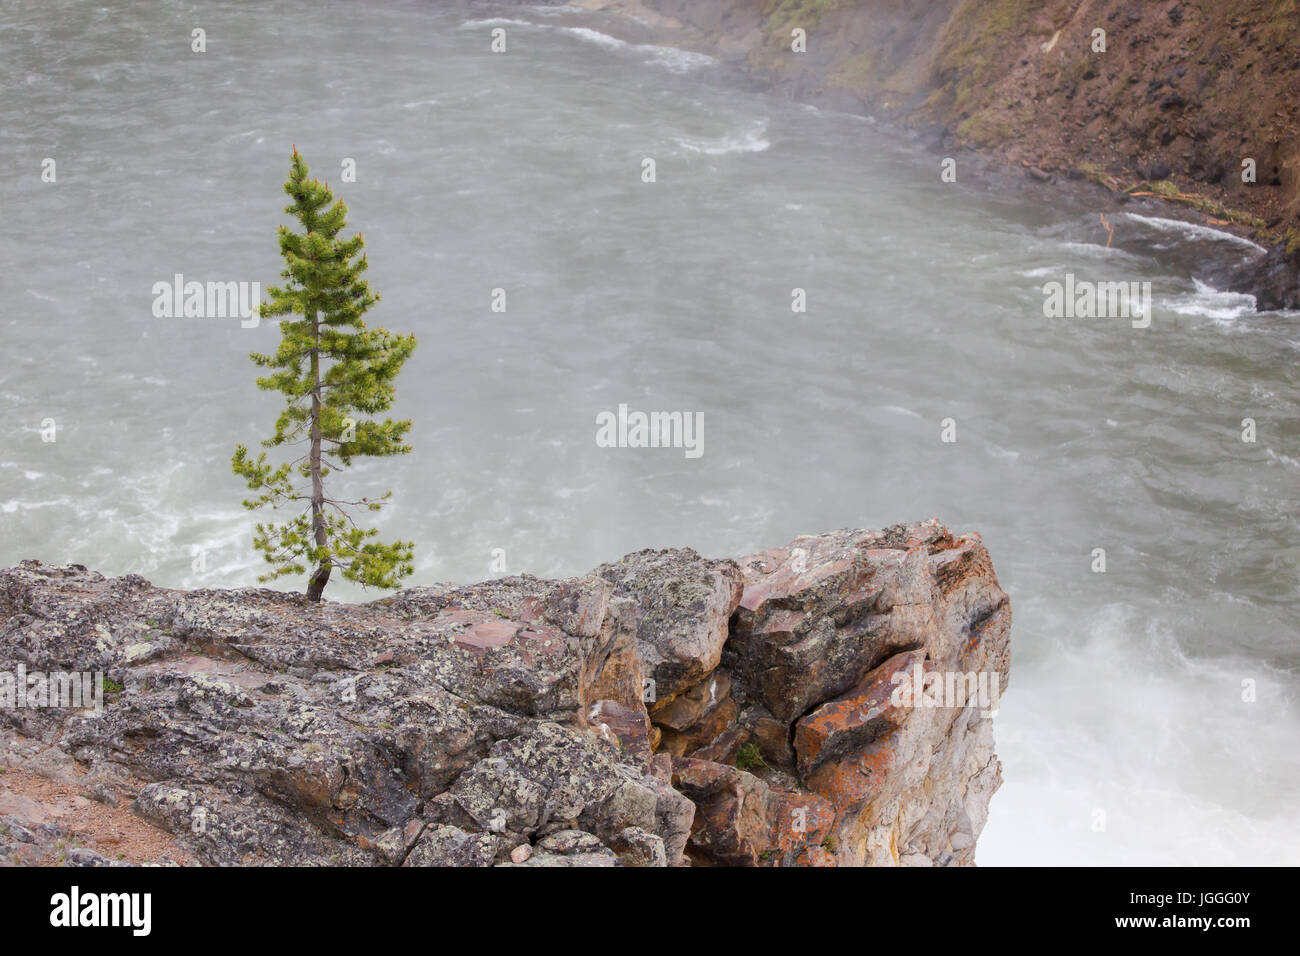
(1124, 734)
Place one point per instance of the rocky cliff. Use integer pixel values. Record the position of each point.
(1169, 100)
(662, 710)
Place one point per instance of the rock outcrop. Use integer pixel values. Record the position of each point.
(783, 709)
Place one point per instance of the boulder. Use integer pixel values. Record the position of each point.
(683, 606)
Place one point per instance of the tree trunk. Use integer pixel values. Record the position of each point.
(320, 577)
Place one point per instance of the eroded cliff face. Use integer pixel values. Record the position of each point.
(662, 710)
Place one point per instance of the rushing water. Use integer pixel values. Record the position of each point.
(522, 171)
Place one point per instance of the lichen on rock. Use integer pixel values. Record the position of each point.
(665, 709)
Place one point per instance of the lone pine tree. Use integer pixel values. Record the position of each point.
(334, 372)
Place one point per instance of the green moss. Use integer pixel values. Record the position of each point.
(749, 758)
(854, 74)
(975, 46)
(784, 15)
(1095, 172)
(1287, 237)
(983, 129)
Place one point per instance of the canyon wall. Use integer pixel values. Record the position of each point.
(793, 707)
(1181, 96)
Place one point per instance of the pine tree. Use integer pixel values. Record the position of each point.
(334, 373)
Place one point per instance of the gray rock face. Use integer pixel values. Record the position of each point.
(683, 605)
(508, 723)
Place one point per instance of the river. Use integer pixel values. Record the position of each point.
(1151, 715)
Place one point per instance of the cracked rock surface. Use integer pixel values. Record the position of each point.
(665, 709)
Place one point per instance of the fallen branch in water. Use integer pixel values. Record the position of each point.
(1110, 230)
(1185, 197)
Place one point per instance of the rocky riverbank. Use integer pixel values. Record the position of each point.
(1164, 108)
(665, 709)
